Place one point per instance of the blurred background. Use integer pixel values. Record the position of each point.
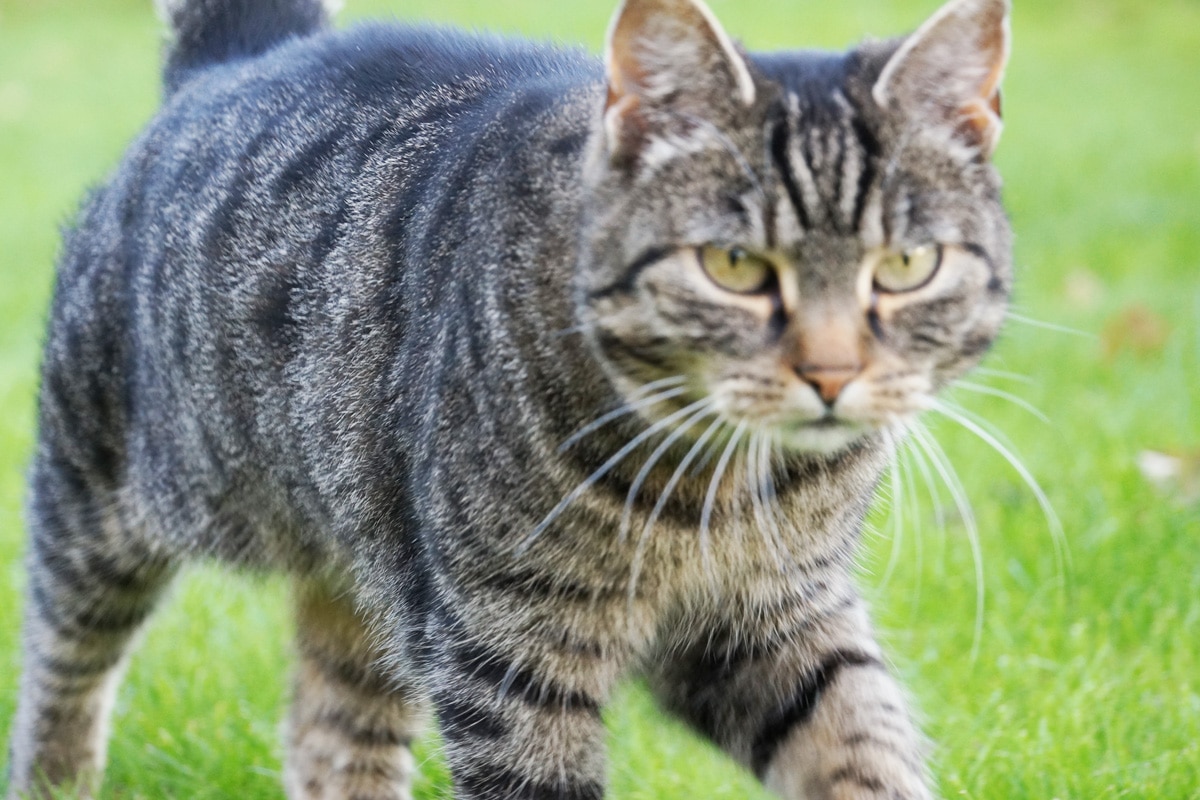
(1040, 672)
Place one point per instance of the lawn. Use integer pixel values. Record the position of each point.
(1076, 675)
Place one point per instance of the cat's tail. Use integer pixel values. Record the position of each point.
(208, 32)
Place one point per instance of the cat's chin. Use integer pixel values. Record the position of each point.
(825, 437)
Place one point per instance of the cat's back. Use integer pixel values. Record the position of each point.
(304, 119)
(353, 92)
(193, 277)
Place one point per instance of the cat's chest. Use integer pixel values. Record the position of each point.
(753, 536)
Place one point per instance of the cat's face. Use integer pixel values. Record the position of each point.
(807, 245)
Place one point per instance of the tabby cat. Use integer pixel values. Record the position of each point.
(534, 371)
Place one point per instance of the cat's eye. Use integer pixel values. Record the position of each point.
(908, 270)
(737, 270)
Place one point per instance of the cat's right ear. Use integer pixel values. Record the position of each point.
(951, 69)
(667, 56)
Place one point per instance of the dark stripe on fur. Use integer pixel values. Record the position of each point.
(624, 284)
(854, 776)
(498, 784)
(361, 735)
(485, 665)
(874, 152)
(344, 671)
(802, 706)
(779, 154)
(460, 719)
(535, 584)
(79, 669)
(97, 568)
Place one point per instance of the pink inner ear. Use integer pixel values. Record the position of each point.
(624, 71)
(990, 90)
(984, 113)
(997, 44)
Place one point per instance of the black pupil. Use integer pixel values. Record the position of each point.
(735, 257)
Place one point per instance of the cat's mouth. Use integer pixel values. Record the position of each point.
(825, 435)
(824, 423)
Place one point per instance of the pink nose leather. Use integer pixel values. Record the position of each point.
(827, 351)
(828, 381)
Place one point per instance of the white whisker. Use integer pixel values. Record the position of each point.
(644, 538)
(571, 331)
(1003, 395)
(635, 488)
(1048, 326)
(772, 499)
(600, 472)
(913, 510)
(630, 407)
(754, 476)
(944, 404)
(713, 485)
(1004, 375)
(941, 463)
(935, 495)
(1058, 535)
(896, 511)
(683, 465)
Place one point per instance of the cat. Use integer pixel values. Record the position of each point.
(536, 372)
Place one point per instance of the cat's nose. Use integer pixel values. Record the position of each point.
(828, 381)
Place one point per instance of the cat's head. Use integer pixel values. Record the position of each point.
(814, 243)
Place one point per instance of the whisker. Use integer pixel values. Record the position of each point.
(635, 488)
(934, 494)
(704, 461)
(646, 388)
(601, 471)
(895, 511)
(772, 498)
(1004, 375)
(1048, 326)
(629, 408)
(713, 485)
(944, 404)
(950, 478)
(644, 538)
(683, 465)
(1062, 550)
(913, 511)
(758, 504)
(1003, 395)
(571, 331)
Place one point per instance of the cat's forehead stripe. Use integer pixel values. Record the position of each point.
(824, 158)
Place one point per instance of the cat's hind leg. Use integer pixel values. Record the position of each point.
(92, 582)
(351, 725)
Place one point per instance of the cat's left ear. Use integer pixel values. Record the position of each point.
(668, 55)
(952, 66)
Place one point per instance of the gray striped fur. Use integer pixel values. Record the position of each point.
(418, 318)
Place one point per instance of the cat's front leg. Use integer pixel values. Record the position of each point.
(802, 698)
(846, 735)
(519, 712)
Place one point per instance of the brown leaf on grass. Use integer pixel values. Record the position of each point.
(1136, 329)
(1175, 473)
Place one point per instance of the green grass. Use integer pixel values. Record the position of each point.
(1086, 678)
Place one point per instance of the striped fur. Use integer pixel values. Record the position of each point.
(423, 320)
